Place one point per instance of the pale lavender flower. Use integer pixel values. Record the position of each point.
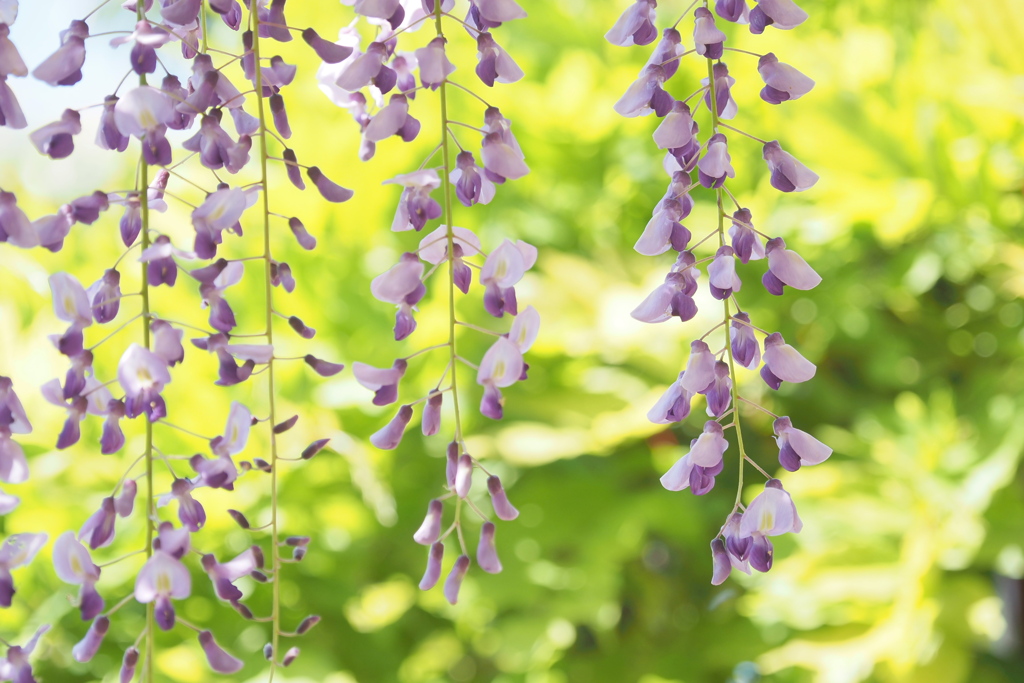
(160, 580)
(726, 105)
(454, 581)
(646, 95)
(70, 301)
(500, 152)
(219, 660)
(222, 318)
(161, 268)
(105, 296)
(223, 575)
(674, 297)
(787, 174)
(17, 550)
(74, 565)
(676, 129)
(216, 148)
(11, 114)
(15, 667)
(431, 422)
(745, 348)
(673, 406)
(664, 230)
(220, 211)
(472, 185)
(715, 166)
(12, 412)
(390, 435)
(416, 206)
(64, 67)
(786, 267)
(636, 26)
(145, 40)
(771, 513)
(782, 14)
(15, 226)
(13, 465)
(142, 375)
(503, 509)
(667, 52)
(382, 381)
(124, 503)
(486, 553)
(708, 40)
(700, 368)
(145, 112)
(783, 363)
(433, 570)
(430, 530)
(502, 270)
(361, 69)
(501, 367)
(722, 278)
(87, 648)
(797, 448)
(434, 64)
(98, 530)
(11, 63)
(56, 140)
(401, 285)
(77, 406)
(697, 469)
(167, 342)
(782, 82)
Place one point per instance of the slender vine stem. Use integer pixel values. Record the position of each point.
(719, 195)
(275, 546)
(450, 233)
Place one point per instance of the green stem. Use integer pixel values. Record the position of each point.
(446, 157)
(268, 295)
(719, 194)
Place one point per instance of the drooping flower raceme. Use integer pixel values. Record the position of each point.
(377, 83)
(743, 540)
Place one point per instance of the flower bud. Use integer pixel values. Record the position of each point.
(486, 552)
(499, 500)
(453, 583)
(433, 571)
(430, 530)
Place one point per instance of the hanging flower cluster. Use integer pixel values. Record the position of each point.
(378, 83)
(744, 540)
(181, 130)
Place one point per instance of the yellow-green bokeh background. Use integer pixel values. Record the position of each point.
(909, 567)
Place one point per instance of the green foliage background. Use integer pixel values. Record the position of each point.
(909, 567)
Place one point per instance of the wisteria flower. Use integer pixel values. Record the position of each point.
(782, 82)
(708, 39)
(722, 278)
(787, 174)
(673, 406)
(716, 164)
(74, 565)
(745, 348)
(142, 375)
(416, 206)
(17, 551)
(56, 140)
(64, 67)
(783, 363)
(501, 367)
(697, 469)
(786, 267)
(502, 270)
(646, 95)
(223, 575)
(782, 14)
(797, 448)
(674, 297)
(160, 580)
(161, 268)
(636, 26)
(494, 64)
(401, 285)
(382, 381)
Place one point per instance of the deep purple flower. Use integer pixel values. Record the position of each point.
(382, 381)
(113, 439)
(745, 348)
(64, 67)
(636, 26)
(673, 406)
(15, 226)
(145, 40)
(700, 368)
(472, 185)
(393, 119)
(715, 166)
(142, 375)
(361, 69)
(787, 174)
(416, 206)
(745, 242)
(105, 296)
(160, 580)
(433, 249)
(161, 268)
(56, 140)
(797, 448)
(664, 231)
(329, 52)
(708, 40)
(145, 112)
(733, 10)
(782, 14)
(98, 530)
(667, 52)
(224, 575)
(222, 318)
(494, 64)
(216, 148)
(676, 129)
(327, 188)
(719, 393)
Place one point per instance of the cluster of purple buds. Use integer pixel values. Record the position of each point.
(200, 109)
(377, 83)
(744, 540)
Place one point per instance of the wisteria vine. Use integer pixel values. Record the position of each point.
(158, 118)
(359, 82)
(744, 540)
